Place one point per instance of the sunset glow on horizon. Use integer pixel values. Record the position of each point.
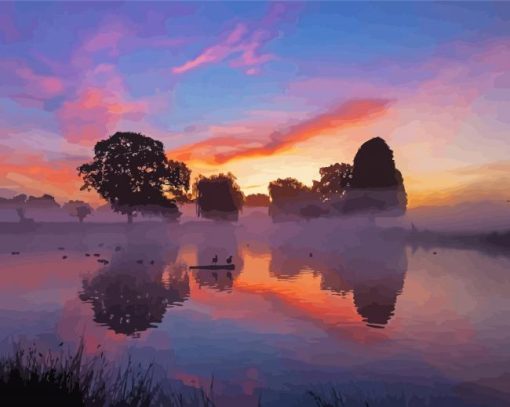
(261, 90)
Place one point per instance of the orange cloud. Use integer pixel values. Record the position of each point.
(34, 175)
(219, 150)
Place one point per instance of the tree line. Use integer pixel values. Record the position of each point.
(371, 186)
(132, 173)
(22, 204)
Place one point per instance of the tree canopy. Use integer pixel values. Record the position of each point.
(289, 197)
(18, 201)
(284, 190)
(335, 179)
(78, 209)
(219, 197)
(44, 201)
(132, 172)
(376, 185)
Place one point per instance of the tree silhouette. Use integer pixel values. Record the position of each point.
(219, 197)
(286, 188)
(312, 211)
(178, 180)
(374, 166)
(132, 173)
(17, 203)
(14, 202)
(130, 296)
(257, 200)
(78, 209)
(43, 202)
(335, 179)
(130, 302)
(376, 184)
(289, 197)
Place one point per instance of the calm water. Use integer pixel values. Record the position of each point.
(298, 313)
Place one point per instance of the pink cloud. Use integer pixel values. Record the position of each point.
(252, 71)
(33, 85)
(240, 44)
(212, 54)
(236, 35)
(95, 113)
(44, 85)
(247, 50)
(105, 39)
(250, 56)
(216, 52)
(117, 38)
(101, 104)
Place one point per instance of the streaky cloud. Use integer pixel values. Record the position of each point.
(353, 112)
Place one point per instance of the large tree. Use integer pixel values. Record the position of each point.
(132, 172)
(376, 185)
(219, 197)
(335, 179)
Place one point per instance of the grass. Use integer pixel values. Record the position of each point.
(334, 398)
(31, 377)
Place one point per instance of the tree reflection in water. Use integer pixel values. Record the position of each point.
(288, 264)
(376, 271)
(129, 297)
(373, 270)
(224, 244)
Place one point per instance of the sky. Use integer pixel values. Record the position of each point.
(262, 90)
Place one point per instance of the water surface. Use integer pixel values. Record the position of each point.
(373, 314)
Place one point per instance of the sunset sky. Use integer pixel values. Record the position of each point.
(264, 90)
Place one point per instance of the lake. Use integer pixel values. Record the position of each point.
(307, 307)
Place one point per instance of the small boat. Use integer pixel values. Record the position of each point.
(214, 267)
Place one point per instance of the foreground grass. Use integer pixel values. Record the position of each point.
(30, 377)
(333, 397)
